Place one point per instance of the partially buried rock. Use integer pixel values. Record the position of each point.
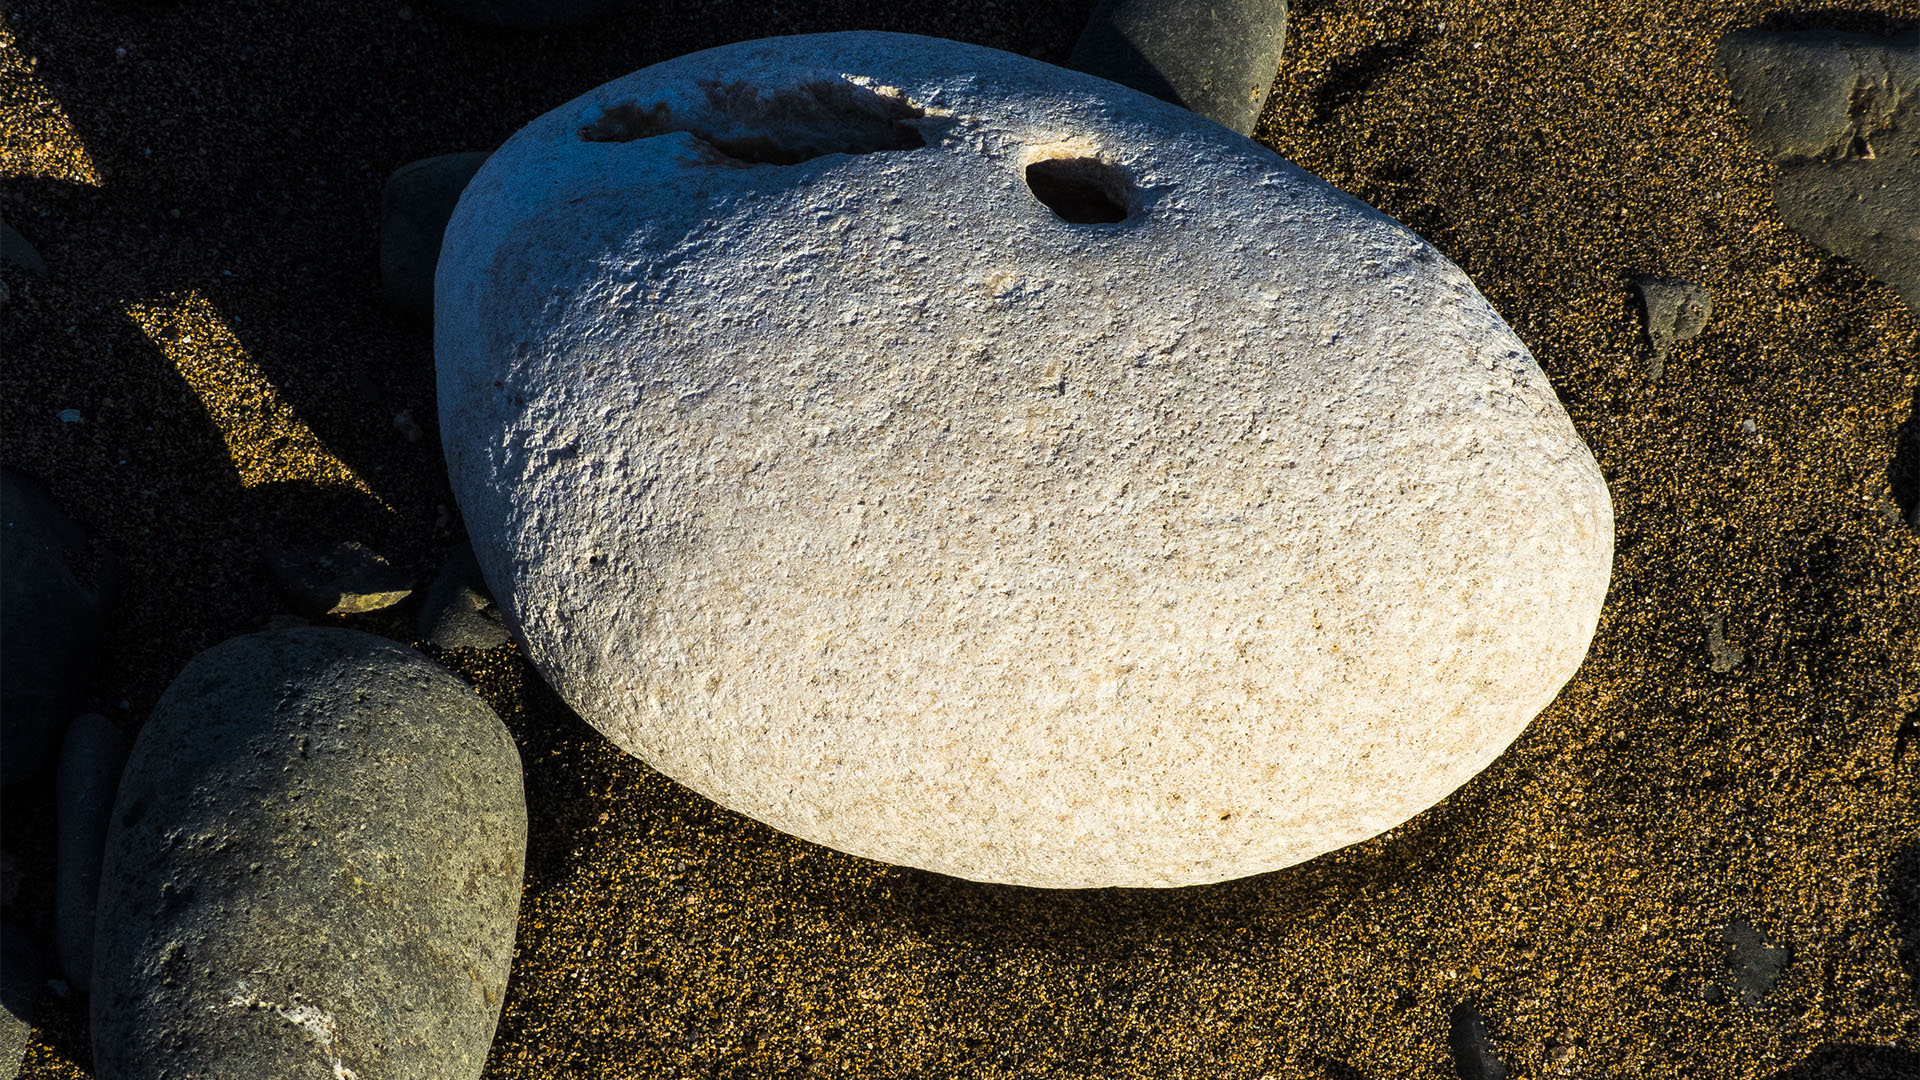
(1474, 1055)
(1672, 310)
(314, 869)
(1216, 57)
(349, 578)
(1756, 964)
(414, 207)
(1840, 115)
(972, 464)
(19, 985)
(458, 613)
(54, 592)
(90, 760)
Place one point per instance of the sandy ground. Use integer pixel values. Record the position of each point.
(205, 180)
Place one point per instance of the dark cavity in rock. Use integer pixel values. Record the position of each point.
(745, 124)
(1082, 190)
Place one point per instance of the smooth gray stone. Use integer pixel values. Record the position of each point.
(414, 208)
(1756, 964)
(1216, 57)
(1840, 115)
(19, 985)
(91, 758)
(458, 612)
(54, 594)
(313, 870)
(15, 249)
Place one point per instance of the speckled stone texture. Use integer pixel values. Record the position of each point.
(313, 870)
(819, 463)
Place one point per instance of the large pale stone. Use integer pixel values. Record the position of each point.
(819, 463)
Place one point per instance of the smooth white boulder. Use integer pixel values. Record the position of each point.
(819, 463)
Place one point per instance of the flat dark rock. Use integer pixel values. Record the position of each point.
(1672, 310)
(313, 870)
(1840, 115)
(54, 594)
(1756, 964)
(349, 578)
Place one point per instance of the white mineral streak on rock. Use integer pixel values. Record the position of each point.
(845, 482)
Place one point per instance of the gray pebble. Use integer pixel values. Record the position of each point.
(414, 208)
(53, 602)
(1672, 311)
(1756, 965)
(313, 869)
(1215, 58)
(90, 760)
(1721, 656)
(458, 612)
(349, 578)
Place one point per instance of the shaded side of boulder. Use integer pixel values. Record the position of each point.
(54, 592)
(1840, 116)
(91, 758)
(1217, 59)
(313, 869)
(414, 208)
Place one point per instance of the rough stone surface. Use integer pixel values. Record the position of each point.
(458, 613)
(349, 578)
(1840, 115)
(19, 985)
(1673, 311)
(414, 207)
(91, 757)
(54, 594)
(313, 870)
(871, 496)
(1216, 57)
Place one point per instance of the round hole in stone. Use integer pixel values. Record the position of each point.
(1082, 190)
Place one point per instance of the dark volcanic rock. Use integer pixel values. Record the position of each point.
(414, 208)
(1474, 1054)
(1840, 115)
(458, 612)
(15, 250)
(1672, 311)
(19, 984)
(1756, 965)
(91, 757)
(54, 592)
(313, 869)
(1218, 59)
(347, 579)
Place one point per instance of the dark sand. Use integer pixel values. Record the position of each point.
(213, 313)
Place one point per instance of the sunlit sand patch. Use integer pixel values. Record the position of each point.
(265, 437)
(37, 141)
